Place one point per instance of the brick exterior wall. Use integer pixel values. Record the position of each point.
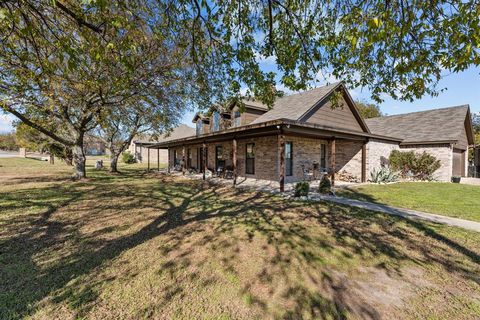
(442, 152)
(378, 152)
(267, 157)
(305, 152)
(349, 157)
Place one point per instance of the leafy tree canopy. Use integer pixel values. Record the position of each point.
(476, 127)
(73, 61)
(368, 110)
(8, 141)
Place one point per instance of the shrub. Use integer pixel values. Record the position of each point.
(127, 157)
(384, 175)
(302, 189)
(325, 185)
(421, 166)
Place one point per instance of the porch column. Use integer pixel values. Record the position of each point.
(158, 159)
(234, 160)
(204, 157)
(183, 160)
(333, 160)
(168, 160)
(148, 154)
(364, 162)
(281, 169)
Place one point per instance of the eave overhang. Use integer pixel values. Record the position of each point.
(274, 127)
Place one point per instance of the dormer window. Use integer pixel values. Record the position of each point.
(216, 121)
(199, 127)
(237, 119)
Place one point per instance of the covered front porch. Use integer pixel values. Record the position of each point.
(279, 152)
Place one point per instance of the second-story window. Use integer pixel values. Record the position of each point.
(237, 119)
(216, 121)
(199, 127)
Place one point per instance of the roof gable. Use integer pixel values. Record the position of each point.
(437, 125)
(293, 107)
(303, 106)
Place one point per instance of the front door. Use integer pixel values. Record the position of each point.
(458, 168)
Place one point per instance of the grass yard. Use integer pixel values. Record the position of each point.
(449, 199)
(138, 245)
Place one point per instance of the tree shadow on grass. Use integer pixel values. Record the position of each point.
(182, 209)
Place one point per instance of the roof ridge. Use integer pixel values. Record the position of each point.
(333, 84)
(422, 111)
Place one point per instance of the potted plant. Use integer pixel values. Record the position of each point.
(456, 179)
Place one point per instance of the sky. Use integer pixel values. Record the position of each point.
(462, 88)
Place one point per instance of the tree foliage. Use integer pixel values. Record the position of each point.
(73, 61)
(29, 138)
(368, 110)
(476, 127)
(8, 142)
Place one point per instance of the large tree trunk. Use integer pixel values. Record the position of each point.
(78, 162)
(68, 156)
(113, 162)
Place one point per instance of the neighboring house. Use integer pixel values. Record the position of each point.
(304, 133)
(139, 145)
(94, 146)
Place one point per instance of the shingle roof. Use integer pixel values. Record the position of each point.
(182, 131)
(294, 106)
(255, 104)
(446, 124)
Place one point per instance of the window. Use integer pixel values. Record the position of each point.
(323, 157)
(219, 158)
(189, 158)
(288, 159)
(237, 119)
(216, 121)
(199, 127)
(250, 158)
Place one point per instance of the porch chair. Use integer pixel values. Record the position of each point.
(220, 168)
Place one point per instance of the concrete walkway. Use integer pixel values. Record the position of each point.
(272, 187)
(406, 213)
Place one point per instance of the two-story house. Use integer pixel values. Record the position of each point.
(307, 132)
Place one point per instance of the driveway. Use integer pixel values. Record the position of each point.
(9, 154)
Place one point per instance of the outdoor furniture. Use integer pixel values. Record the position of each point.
(307, 174)
(229, 173)
(220, 168)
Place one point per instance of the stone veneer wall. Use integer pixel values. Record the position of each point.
(442, 152)
(378, 151)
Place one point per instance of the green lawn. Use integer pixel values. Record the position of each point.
(449, 199)
(140, 245)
